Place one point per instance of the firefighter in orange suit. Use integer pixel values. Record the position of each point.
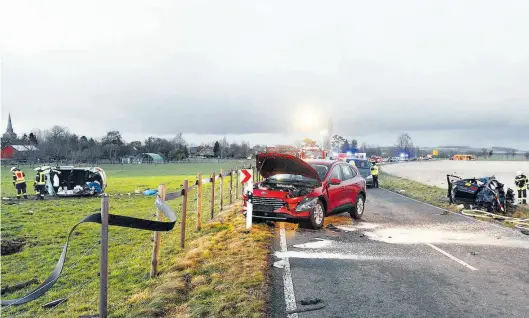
(19, 181)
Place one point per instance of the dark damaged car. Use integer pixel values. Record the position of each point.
(305, 191)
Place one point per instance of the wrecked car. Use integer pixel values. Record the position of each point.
(305, 191)
(74, 181)
(487, 194)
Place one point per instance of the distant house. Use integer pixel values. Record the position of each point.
(193, 151)
(205, 151)
(8, 152)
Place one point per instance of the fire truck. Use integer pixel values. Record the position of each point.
(313, 153)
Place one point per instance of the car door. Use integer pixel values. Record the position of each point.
(334, 192)
(347, 181)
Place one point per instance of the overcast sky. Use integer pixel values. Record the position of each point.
(446, 72)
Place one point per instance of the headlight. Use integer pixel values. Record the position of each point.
(369, 177)
(306, 204)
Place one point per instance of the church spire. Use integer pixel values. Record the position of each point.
(9, 125)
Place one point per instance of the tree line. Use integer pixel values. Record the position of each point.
(60, 144)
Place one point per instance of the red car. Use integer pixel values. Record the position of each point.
(305, 191)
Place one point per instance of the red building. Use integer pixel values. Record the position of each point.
(8, 152)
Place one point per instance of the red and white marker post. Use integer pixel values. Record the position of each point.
(246, 177)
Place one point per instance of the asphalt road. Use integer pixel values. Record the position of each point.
(404, 259)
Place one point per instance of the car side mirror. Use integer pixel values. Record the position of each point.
(335, 181)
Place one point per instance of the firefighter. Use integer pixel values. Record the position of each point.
(521, 183)
(374, 173)
(40, 184)
(19, 181)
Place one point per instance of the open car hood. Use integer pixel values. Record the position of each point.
(270, 164)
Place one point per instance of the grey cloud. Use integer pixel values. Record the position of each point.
(443, 71)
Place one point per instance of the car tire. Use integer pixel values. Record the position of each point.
(358, 209)
(316, 216)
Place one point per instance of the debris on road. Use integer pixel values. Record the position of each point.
(306, 302)
(332, 228)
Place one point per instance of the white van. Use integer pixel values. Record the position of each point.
(75, 181)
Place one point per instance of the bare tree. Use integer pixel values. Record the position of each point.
(404, 143)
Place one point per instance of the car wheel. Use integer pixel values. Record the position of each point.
(316, 216)
(358, 209)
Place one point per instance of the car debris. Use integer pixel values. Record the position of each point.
(486, 194)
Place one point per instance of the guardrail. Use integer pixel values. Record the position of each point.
(158, 226)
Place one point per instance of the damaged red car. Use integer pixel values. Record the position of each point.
(305, 191)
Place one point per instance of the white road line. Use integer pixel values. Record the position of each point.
(452, 257)
(290, 299)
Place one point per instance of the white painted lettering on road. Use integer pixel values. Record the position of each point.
(320, 243)
(452, 257)
(290, 299)
(326, 255)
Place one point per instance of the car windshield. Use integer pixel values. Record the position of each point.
(360, 164)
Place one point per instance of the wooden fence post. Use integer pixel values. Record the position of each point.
(236, 183)
(103, 259)
(231, 186)
(184, 215)
(157, 236)
(221, 191)
(211, 214)
(199, 202)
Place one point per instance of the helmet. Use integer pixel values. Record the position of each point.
(14, 169)
(519, 172)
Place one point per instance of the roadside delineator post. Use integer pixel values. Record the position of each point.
(157, 236)
(103, 260)
(247, 181)
(221, 190)
(184, 214)
(212, 211)
(199, 202)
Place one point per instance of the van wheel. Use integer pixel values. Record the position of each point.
(358, 209)
(316, 216)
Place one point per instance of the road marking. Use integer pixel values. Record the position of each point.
(290, 299)
(452, 257)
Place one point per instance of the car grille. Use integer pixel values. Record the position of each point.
(267, 204)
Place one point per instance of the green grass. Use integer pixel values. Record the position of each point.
(43, 225)
(430, 194)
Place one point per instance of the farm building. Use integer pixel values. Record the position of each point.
(148, 158)
(11, 151)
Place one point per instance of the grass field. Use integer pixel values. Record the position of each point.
(208, 261)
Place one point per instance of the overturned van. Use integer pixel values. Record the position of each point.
(74, 181)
